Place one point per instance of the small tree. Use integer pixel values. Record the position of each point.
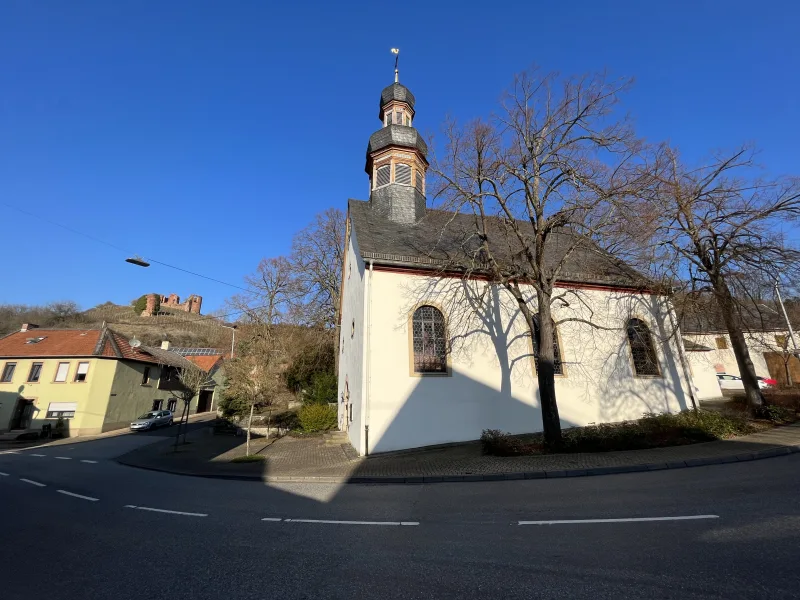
(192, 380)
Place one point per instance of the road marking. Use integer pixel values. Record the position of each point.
(91, 462)
(10, 452)
(272, 519)
(330, 522)
(169, 512)
(32, 482)
(66, 493)
(63, 457)
(631, 520)
(37, 454)
(3, 474)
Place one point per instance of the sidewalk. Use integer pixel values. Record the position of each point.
(312, 460)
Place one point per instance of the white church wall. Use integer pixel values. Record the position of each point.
(724, 360)
(704, 375)
(492, 384)
(351, 379)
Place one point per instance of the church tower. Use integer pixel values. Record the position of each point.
(396, 159)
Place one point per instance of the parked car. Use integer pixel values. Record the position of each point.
(151, 420)
(767, 380)
(734, 382)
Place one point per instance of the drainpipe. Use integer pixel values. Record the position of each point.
(684, 363)
(368, 333)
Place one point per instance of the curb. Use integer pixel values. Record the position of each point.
(555, 474)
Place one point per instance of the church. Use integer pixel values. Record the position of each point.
(430, 357)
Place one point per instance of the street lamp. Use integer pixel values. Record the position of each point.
(233, 337)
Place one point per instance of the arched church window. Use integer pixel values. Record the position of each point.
(429, 340)
(643, 351)
(558, 365)
(383, 176)
(402, 174)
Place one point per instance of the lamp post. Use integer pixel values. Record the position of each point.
(785, 316)
(233, 336)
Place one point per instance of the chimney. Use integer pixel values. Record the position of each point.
(165, 345)
(28, 326)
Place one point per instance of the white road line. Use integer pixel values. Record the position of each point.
(66, 493)
(330, 522)
(32, 482)
(32, 454)
(3, 474)
(63, 457)
(169, 512)
(631, 520)
(272, 519)
(91, 462)
(10, 452)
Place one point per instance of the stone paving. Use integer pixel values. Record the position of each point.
(313, 459)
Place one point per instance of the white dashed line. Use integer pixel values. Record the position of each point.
(91, 462)
(331, 522)
(272, 519)
(3, 474)
(32, 454)
(169, 512)
(632, 520)
(66, 493)
(63, 457)
(32, 482)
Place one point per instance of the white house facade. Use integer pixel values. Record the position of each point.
(431, 357)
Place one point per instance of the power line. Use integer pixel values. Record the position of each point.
(110, 245)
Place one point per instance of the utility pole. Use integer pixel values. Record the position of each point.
(785, 316)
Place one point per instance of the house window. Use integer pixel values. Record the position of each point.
(80, 373)
(64, 410)
(558, 366)
(172, 405)
(402, 174)
(384, 176)
(36, 372)
(146, 376)
(780, 340)
(398, 118)
(722, 343)
(61, 372)
(429, 341)
(8, 372)
(157, 404)
(642, 349)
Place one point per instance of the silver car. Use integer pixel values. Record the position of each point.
(151, 420)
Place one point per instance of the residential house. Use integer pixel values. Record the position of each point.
(94, 379)
(430, 357)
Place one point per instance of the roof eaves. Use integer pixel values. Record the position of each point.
(114, 346)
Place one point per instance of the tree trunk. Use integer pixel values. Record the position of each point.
(733, 323)
(786, 359)
(249, 424)
(178, 432)
(187, 404)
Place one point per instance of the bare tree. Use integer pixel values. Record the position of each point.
(539, 179)
(192, 380)
(718, 229)
(316, 262)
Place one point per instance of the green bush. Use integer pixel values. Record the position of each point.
(231, 406)
(140, 304)
(249, 458)
(323, 389)
(771, 412)
(309, 363)
(497, 443)
(286, 420)
(317, 417)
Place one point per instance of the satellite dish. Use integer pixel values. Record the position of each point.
(135, 343)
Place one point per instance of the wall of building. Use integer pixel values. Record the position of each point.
(724, 360)
(129, 398)
(704, 375)
(492, 382)
(90, 396)
(351, 351)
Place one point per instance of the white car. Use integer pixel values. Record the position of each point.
(152, 419)
(734, 382)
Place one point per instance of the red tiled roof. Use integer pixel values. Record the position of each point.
(72, 342)
(205, 362)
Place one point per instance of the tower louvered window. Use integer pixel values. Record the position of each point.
(402, 174)
(383, 176)
(420, 177)
(430, 342)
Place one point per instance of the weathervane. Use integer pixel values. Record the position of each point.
(396, 52)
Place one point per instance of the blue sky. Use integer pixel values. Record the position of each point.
(205, 133)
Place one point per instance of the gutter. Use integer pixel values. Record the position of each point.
(368, 333)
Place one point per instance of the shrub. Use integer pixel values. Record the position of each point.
(317, 417)
(771, 412)
(249, 458)
(231, 406)
(141, 303)
(309, 362)
(286, 420)
(497, 443)
(323, 389)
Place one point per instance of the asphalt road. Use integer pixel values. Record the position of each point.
(77, 525)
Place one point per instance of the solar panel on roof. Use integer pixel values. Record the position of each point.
(197, 351)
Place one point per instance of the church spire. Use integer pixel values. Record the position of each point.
(396, 157)
(396, 52)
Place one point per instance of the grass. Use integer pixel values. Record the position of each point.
(249, 458)
(651, 431)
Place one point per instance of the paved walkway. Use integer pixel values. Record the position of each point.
(312, 459)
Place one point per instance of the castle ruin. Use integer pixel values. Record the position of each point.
(173, 301)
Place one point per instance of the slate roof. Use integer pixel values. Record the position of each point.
(81, 343)
(396, 135)
(399, 92)
(443, 239)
